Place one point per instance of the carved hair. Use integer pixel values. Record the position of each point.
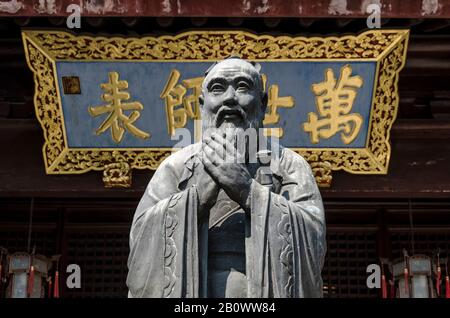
(256, 65)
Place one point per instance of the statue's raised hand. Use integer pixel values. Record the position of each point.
(207, 189)
(228, 168)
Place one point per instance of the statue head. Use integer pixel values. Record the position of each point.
(233, 95)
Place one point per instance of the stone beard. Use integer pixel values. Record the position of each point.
(210, 227)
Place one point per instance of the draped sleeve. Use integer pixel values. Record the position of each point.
(286, 240)
(163, 260)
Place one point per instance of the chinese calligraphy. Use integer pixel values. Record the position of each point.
(174, 96)
(117, 120)
(334, 101)
(274, 101)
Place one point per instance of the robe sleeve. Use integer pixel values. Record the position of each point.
(163, 260)
(287, 234)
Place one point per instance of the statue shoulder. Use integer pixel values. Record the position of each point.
(178, 160)
(294, 169)
(171, 171)
(291, 162)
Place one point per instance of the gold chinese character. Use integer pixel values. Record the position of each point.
(274, 101)
(117, 120)
(334, 101)
(174, 96)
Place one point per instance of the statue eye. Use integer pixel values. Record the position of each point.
(217, 88)
(243, 86)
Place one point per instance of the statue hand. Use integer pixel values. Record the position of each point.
(231, 175)
(207, 190)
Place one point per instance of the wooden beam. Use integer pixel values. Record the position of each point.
(232, 8)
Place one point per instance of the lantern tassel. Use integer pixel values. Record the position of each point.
(406, 275)
(447, 286)
(383, 286)
(405, 272)
(31, 281)
(447, 280)
(56, 286)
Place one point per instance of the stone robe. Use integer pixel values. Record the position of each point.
(284, 232)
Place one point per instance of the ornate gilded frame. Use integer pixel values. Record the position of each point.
(43, 48)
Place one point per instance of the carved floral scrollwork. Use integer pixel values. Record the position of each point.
(46, 104)
(212, 45)
(117, 175)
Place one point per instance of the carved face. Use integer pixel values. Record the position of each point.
(232, 96)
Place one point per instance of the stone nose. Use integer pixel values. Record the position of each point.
(229, 98)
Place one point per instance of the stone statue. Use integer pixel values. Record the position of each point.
(209, 227)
